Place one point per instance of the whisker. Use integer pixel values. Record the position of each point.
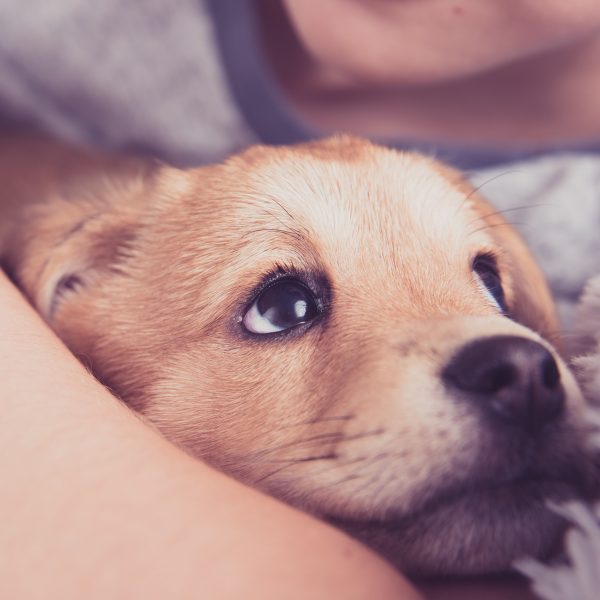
(509, 210)
(564, 334)
(491, 225)
(345, 479)
(265, 477)
(358, 436)
(487, 181)
(338, 464)
(318, 420)
(355, 476)
(369, 482)
(277, 217)
(481, 185)
(336, 436)
(332, 418)
(330, 456)
(352, 476)
(376, 477)
(291, 462)
(281, 206)
(293, 234)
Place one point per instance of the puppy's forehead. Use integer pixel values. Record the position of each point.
(379, 203)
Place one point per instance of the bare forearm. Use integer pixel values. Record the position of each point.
(96, 504)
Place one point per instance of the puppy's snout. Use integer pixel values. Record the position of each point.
(514, 380)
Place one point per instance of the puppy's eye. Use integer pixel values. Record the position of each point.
(283, 305)
(488, 279)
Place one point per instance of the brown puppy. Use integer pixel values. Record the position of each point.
(347, 327)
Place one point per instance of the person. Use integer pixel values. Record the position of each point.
(482, 84)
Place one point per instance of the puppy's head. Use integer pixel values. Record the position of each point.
(347, 327)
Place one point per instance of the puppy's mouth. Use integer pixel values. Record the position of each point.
(522, 489)
(473, 530)
(581, 480)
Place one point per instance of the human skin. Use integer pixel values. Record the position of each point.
(412, 42)
(97, 505)
(510, 73)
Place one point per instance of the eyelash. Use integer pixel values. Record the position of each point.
(320, 288)
(318, 284)
(489, 260)
(279, 271)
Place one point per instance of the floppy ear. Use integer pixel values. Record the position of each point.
(531, 301)
(66, 214)
(66, 246)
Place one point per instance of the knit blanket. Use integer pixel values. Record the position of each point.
(578, 577)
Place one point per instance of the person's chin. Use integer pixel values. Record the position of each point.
(477, 532)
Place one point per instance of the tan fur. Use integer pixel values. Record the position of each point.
(347, 419)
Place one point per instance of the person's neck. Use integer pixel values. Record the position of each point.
(552, 99)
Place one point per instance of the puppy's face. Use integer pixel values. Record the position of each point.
(346, 327)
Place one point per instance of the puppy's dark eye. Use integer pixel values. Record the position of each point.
(282, 305)
(485, 269)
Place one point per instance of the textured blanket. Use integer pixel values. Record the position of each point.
(555, 203)
(579, 578)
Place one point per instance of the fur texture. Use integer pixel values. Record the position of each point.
(148, 273)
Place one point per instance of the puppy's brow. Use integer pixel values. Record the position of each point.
(318, 420)
(281, 206)
(296, 235)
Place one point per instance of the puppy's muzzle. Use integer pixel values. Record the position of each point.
(515, 381)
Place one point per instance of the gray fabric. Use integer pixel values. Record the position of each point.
(121, 74)
(276, 122)
(554, 201)
(579, 577)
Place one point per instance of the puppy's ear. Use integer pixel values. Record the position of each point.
(65, 247)
(531, 302)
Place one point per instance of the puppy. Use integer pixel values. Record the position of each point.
(349, 328)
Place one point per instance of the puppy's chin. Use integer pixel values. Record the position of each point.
(474, 533)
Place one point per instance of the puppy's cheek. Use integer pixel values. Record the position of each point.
(186, 409)
(221, 407)
(405, 439)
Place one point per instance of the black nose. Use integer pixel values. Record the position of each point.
(513, 379)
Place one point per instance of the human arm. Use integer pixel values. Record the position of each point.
(95, 504)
